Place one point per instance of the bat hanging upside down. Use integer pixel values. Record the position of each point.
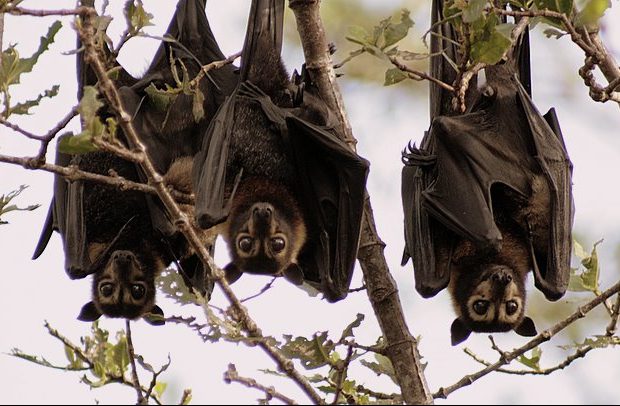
(488, 197)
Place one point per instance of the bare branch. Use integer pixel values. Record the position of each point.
(613, 323)
(419, 75)
(19, 11)
(231, 375)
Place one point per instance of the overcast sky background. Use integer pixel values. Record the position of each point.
(383, 120)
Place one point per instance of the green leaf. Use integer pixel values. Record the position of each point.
(552, 32)
(136, 16)
(488, 44)
(90, 104)
(160, 99)
(473, 10)
(383, 366)
(586, 281)
(534, 361)
(393, 33)
(24, 108)
(393, 76)
(76, 144)
(120, 354)
(160, 388)
(561, 6)
(313, 353)
(12, 67)
(591, 12)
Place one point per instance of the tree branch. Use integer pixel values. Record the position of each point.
(132, 360)
(231, 375)
(401, 347)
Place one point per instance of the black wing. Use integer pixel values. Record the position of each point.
(447, 182)
(65, 213)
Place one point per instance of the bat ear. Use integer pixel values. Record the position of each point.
(89, 312)
(526, 328)
(459, 332)
(155, 317)
(294, 274)
(233, 273)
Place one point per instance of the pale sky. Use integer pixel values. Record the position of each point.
(383, 120)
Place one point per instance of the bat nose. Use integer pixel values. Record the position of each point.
(123, 257)
(501, 277)
(262, 211)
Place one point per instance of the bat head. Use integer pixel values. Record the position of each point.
(124, 287)
(265, 238)
(490, 298)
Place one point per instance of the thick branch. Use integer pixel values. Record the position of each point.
(401, 347)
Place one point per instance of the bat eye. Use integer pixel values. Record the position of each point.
(481, 306)
(245, 244)
(106, 289)
(511, 307)
(277, 244)
(137, 291)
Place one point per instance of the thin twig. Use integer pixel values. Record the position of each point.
(134, 371)
(536, 341)
(580, 353)
(419, 75)
(18, 11)
(263, 290)
(613, 323)
(231, 375)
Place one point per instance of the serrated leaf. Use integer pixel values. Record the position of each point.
(120, 355)
(592, 11)
(99, 370)
(588, 279)
(579, 251)
(312, 353)
(473, 10)
(393, 33)
(90, 104)
(393, 76)
(171, 284)
(534, 361)
(24, 108)
(6, 199)
(12, 67)
(383, 366)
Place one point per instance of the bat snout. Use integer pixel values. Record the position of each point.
(123, 258)
(501, 277)
(262, 211)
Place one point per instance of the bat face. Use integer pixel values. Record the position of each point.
(264, 239)
(489, 298)
(124, 287)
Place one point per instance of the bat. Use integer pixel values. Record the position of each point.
(125, 238)
(487, 197)
(273, 174)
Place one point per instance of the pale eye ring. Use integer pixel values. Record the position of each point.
(481, 306)
(245, 244)
(137, 291)
(277, 244)
(106, 289)
(511, 307)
